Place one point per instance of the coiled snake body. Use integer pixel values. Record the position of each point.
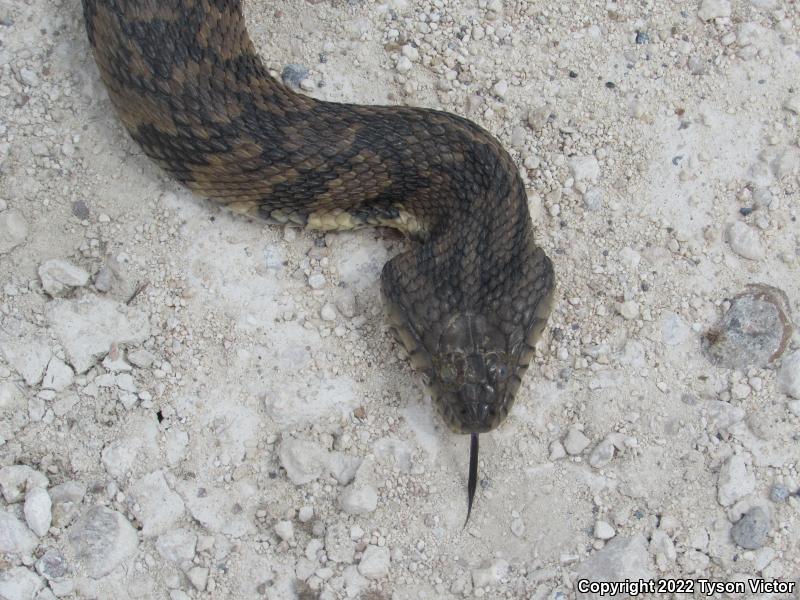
(470, 297)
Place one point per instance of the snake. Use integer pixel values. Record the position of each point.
(469, 297)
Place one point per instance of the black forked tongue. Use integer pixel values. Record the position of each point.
(472, 483)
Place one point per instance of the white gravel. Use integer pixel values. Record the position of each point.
(214, 409)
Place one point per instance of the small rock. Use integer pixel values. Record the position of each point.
(603, 530)
(346, 303)
(37, 510)
(102, 539)
(87, 327)
(745, 241)
(735, 480)
(15, 538)
(328, 313)
(157, 506)
(305, 514)
(714, 9)
(753, 332)
(674, 330)
(18, 583)
(490, 574)
(575, 442)
(316, 281)
(198, 577)
(303, 461)
(285, 530)
(779, 493)
(293, 74)
(59, 375)
(593, 199)
(374, 562)
(404, 65)
(584, 168)
(557, 451)
(358, 499)
(60, 276)
(751, 530)
(789, 375)
(629, 310)
(16, 480)
(13, 230)
(354, 582)
(621, 558)
(141, 358)
(518, 527)
(52, 565)
(338, 545)
(177, 545)
(26, 349)
(602, 454)
(500, 88)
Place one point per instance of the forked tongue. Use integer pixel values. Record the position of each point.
(473, 474)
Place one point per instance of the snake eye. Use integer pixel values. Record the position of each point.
(498, 370)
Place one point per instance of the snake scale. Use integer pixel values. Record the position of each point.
(471, 295)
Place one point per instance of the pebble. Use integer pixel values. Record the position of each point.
(198, 577)
(602, 454)
(518, 527)
(293, 74)
(745, 241)
(751, 530)
(346, 303)
(285, 530)
(59, 375)
(603, 530)
(374, 562)
(88, 326)
(779, 493)
(15, 537)
(789, 375)
(735, 480)
(490, 574)
(628, 309)
(19, 583)
(358, 499)
(26, 349)
(714, 9)
(593, 199)
(338, 545)
(674, 330)
(177, 545)
(60, 276)
(557, 451)
(328, 312)
(101, 540)
(752, 331)
(16, 480)
(621, 558)
(500, 88)
(13, 230)
(404, 65)
(156, 506)
(354, 583)
(575, 441)
(584, 168)
(305, 514)
(52, 565)
(37, 510)
(316, 281)
(303, 461)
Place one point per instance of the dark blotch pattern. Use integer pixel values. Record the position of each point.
(472, 294)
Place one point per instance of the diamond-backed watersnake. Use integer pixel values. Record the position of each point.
(470, 297)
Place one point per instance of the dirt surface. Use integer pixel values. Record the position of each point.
(195, 405)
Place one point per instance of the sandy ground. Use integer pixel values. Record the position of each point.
(244, 426)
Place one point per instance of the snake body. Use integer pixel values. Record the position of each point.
(470, 297)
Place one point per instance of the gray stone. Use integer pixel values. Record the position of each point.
(789, 375)
(198, 577)
(26, 349)
(303, 461)
(358, 499)
(13, 230)
(60, 276)
(374, 562)
(735, 480)
(714, 9)
(575, 441)
(134, 448)
(18, 583)
(15, 480)
(745, 241)
(584, 168)
(101, 540)
(753, 332)
(751, 530)
(490, 573)
(87, 327)
(338, 545)
(37, 510)
(177, 546)
(621, 558)
(156, 506)
(602, 454)
(15, 538)
(59, 375)
(52, 565)
(779, 493)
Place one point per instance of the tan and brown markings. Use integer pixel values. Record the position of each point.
(468, 300)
